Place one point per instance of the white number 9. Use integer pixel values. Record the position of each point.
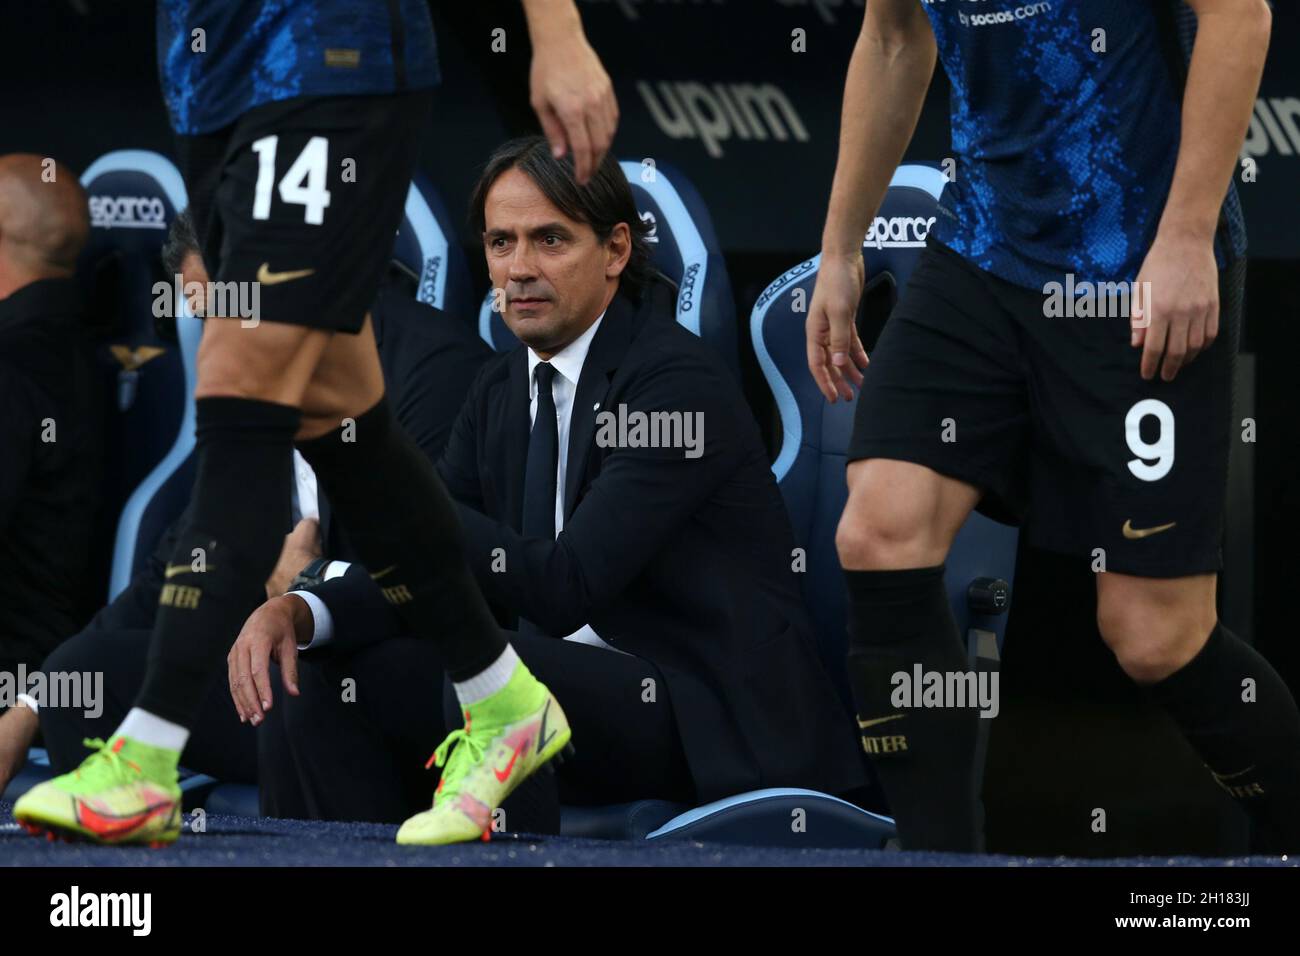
(1154, 459)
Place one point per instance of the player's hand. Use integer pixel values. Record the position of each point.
(836, 357)
(1182, 317)
(18, 728)
(301, 547)
(574, 99)
(271, 633)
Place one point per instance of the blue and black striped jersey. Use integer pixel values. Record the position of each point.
(1066, 121)
(217, 59)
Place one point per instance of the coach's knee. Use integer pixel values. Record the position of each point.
(1153, 626)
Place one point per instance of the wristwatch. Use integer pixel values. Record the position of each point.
(311, 575)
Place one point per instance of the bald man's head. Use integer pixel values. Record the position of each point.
(44, 220)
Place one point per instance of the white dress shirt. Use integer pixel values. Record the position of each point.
(306, 504)
(568, 364)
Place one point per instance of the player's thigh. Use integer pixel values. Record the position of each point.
(346, 382)
(270, 361)
(1154, 626)
(941, 424)
(900, 515)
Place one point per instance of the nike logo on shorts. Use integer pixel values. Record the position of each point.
(1134, 534)
(267, 277)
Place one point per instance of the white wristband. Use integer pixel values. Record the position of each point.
(29, 702)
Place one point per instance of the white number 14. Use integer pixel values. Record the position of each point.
(303, 183)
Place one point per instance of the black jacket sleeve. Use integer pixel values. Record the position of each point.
(640, 498)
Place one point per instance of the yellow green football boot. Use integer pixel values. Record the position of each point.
(125, 792)
(506, 737)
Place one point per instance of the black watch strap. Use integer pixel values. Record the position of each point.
(311, 575)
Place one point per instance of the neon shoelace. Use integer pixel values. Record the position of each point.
(467, 756)
(111, 762)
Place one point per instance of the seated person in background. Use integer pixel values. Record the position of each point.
(50, 439)
(429, 360)
(652, 586)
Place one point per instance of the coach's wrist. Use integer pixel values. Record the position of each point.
(304, 622)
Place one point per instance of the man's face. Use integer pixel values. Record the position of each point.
(556, 275)
(193, 271)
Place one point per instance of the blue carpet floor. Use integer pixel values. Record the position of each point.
(247, 841)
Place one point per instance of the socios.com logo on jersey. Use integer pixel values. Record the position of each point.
(127, 212)
(899, 232)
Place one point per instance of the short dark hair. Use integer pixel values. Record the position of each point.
(603, 203)
(181, 241)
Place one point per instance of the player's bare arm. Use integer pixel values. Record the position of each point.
(1223, 78)
(888, 76)
(570, 90)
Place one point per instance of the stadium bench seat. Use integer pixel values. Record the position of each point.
(815, 435)
(134, 195)
(427, 250)
(684, 248)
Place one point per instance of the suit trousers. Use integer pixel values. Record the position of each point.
(354, 744)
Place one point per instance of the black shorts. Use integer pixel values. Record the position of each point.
(1051, 419)
(304, 197)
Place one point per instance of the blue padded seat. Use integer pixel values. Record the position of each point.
(134, 195)
(810, 465)
(427, 249)
(780, 816)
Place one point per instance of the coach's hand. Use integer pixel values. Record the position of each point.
(572, 95)
(835, 353)
(271, 633)
(1182, 317)
(301, 547)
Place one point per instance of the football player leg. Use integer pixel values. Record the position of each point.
(1230, 704)
(893, 539)
(250, 383)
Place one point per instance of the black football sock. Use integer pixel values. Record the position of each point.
(1239, 716)
(401, 521)
(923, 756)
(240, 512)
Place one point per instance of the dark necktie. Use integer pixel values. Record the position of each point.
(539, 471)
(543, 457)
